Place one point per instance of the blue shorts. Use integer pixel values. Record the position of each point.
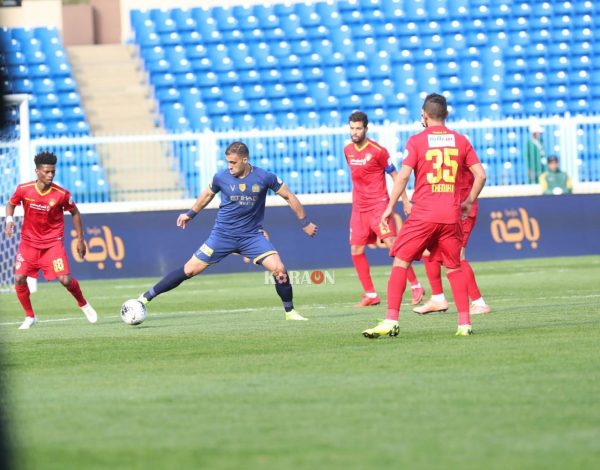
(256, 247)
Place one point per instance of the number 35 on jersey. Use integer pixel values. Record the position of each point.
(445, 167)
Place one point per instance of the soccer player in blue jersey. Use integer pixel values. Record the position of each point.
(238, 227)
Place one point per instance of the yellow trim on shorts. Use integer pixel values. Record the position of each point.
(263, 256)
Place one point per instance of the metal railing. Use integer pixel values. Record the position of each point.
(311, 161)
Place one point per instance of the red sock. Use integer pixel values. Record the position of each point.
(458, 283)
(471, 282)
(395, 291)
(434, 274)
(411, 276)
(75, 291)
(24, 297)
(361, 264)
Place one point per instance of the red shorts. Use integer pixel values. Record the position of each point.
(443, 241)
(52, 261)
(467, 226)
(366, 227)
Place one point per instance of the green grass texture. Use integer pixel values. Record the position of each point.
(215, 377)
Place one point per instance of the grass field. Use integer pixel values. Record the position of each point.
(215, 378)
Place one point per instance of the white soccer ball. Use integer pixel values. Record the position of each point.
(133, 312)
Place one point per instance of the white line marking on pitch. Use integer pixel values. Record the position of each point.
(305, 307)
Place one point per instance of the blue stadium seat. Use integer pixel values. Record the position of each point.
(265, 121)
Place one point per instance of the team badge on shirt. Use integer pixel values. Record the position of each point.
(51, 202)
(256, 188)
(242, 187)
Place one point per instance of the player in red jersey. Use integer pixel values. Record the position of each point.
(437, 155)
(433, 266)
(42, 236)
(369, 162)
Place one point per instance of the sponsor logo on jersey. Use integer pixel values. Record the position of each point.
(232, 187)
(256, 188)
(360, 161)
(39, 207)
(441, 140)
(242, 187)
(207, 250)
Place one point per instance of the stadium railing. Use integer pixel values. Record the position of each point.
(311, 161)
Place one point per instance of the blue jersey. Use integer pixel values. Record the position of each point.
(242, 207)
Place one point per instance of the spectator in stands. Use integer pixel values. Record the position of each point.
(555, 181)
(535, 154)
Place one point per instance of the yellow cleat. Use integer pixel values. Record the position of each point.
(464, 330)
(293, 315)
(385, 327)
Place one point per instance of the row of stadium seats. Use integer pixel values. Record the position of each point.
(79, 169)
(300, 64)
(224, 19)
(35, 63)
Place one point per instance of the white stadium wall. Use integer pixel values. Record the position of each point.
(33, 14)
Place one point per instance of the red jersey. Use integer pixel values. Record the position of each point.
(44, 223)
(467, 180)
(439, 157)
(368, 166)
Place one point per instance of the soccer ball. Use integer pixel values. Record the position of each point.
(133, 312)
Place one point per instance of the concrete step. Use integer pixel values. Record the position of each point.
(97, 53)
(148, 196)
(118, 100)
(113, 112)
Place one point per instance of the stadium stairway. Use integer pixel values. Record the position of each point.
(117, 100)
(113, 89)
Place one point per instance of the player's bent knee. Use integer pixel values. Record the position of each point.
(64, 280)
(400, 263)
(194, 267)
(20, 279)
(278, 269)
(357, 249)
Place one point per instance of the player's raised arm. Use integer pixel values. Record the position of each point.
(203, 200)
(9, 228)
(81, 248)
(478, 184)
(309, 228)
(398, 189)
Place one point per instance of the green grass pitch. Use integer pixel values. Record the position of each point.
(215, 378)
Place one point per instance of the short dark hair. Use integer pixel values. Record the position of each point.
(359, 116)
(436, 106)
(45, 158)
(552, 158)
(239, 148)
